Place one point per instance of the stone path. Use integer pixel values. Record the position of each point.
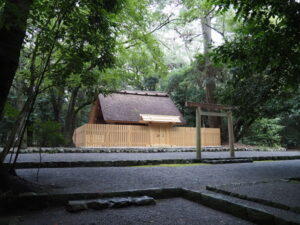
(176, 211)
(59, 157)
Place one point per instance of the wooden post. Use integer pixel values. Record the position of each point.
(198, 132)
(230, 134)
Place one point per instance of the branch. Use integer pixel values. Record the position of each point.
(210, 11)
(83, 105)
(164, 45)
(219, 32)
(44, 89)
(161, 25)
(187, 37)
(158, 27)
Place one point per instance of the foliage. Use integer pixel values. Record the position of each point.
(77, 50)
(291, 131)
(150, 83)
(10, 115)
(187, 84)
(138, 53)
(138, 63)
(291, 122)
(263, 58)
(267, 45)
(253, 99)
(48, 133)
(264, 132)
(75, 38)
(183, 85)
(82, 48)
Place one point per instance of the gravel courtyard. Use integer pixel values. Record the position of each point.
(58, 157)
(107, 179)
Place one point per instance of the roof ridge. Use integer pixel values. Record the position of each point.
(143, 93)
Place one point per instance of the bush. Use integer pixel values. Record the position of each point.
(264, 132)
(48, 133)
(291, 131)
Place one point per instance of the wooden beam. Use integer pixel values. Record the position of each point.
(203, 113)
(198, 133)
(207, 106)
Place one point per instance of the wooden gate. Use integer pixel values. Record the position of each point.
(160, 135)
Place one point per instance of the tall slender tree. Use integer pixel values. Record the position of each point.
(13, 23)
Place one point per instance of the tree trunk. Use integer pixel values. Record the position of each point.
(12, 33)
(19, 127)
(29, 134)
(70, 117)
(241, 127)
(210, 80)
(56, 98)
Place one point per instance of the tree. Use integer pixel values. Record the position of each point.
(73, 78)
(205, 12)
(64, 38)
(290, 120)
(268, 42)
(263, 58)
(13, 22)
(138, 53)
(264, 132)
(183, 85)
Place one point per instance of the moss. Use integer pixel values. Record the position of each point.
(294, 181)
(266, 161)
(176, 165)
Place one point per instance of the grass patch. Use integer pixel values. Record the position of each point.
(176, 165)
(294, 181)
(266, 160)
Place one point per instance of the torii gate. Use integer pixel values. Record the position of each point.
(214, 107)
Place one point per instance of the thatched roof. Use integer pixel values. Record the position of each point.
(127, 106)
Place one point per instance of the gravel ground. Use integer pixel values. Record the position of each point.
(107, 179)
(170, 211)
(34, 157)
(284, 192)
(166, 212)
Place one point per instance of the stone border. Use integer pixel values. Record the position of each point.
(138, 149)
(243, 211)
(257, 215)
(108, 203)
(253, 199)
(127, 163)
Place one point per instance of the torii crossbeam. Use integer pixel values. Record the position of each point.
(223, 111)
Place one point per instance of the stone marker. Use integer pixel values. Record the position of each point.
(144, 200)
(121, 202)
(98, 204)
(76, 206)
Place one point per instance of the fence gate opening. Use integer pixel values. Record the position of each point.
(212, 110)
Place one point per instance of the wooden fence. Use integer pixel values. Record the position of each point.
(98, 135)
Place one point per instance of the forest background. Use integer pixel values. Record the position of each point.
(244, 54)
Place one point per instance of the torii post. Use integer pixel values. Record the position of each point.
(212, 107)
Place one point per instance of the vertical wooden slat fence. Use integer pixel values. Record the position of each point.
(98, 135)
